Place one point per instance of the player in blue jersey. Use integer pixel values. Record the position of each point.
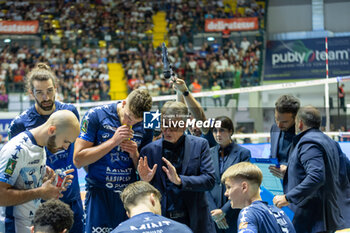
(23, 169)
(107, 147)
(142, 203)
(242, 182)
(41, 84)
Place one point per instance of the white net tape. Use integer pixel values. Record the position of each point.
(263, 88)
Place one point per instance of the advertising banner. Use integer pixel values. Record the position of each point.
(237, 24)
(306, 58)
(19, 27)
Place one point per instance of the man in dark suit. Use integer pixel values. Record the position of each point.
(182, 170)
(316, 184)
(283, 131)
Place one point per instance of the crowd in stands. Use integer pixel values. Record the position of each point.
(79, 39)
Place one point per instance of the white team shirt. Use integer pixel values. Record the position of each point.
(22, 165)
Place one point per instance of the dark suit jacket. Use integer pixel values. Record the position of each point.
(316, 184)
(274, 136)
(197, 176)
(216, 198)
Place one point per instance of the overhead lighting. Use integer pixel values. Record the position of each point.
(7, 40)
(210, 38)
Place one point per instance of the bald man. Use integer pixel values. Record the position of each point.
(24, 176)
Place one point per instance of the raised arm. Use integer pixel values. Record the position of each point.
(193, 105)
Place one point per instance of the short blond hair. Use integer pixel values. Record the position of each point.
(135, 192)
(139, 101)
(243, 171)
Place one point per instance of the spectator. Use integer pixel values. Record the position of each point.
(341, 95)
(96, 95)
(4, 100)
(53, 216)
(225, 35)
(195, 87)
(104, 92)
(245, 44)
(78, 44)
(216, 98)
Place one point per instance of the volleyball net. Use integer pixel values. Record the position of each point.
(252, 108)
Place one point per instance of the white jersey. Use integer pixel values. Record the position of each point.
(22, 165)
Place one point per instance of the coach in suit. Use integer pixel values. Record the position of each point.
(283, 131)
(316, 185)
(225, 154)
(182, 170)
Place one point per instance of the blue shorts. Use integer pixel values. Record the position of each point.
(104, 210)
(77, 208)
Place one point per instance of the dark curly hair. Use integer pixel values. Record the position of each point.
(53, 216)
(287, 104)
(41, 72)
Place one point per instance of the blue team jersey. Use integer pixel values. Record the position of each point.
(262, 218)
(115, 170)
(63, 159)
(149, 222)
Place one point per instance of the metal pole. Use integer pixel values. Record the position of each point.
(326, 91)
(338, 100)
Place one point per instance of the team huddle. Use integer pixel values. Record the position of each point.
(198, 183)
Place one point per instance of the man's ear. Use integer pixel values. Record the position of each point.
(52, 130)
(152, 199)
(301, 125)
(32, 229)
(123, 103)
(31, 93)
(244, 186)
(127, 214)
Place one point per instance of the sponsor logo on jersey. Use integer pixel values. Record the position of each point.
(34, 161)
(105, 135)
(151, 225)
(243, 225)
(84, 125)
(10, 167)
(101, 229)
(110, 128)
